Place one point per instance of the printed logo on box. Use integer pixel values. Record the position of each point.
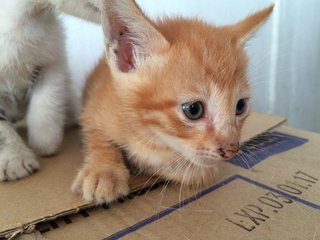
(263, 146)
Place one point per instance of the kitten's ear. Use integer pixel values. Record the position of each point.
(130, 38)
(245, 28)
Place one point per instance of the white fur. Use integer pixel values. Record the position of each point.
(30, 36)
(85, 9)
(16, 159)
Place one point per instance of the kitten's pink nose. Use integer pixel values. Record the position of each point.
(228, 151)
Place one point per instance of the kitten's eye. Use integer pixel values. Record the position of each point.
(241, 106)
(193, 111)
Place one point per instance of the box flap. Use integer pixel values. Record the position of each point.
(46, 195)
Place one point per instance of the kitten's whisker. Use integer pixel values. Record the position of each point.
(170, 178)
(161, 175)
(167, 181)
(166, 166)
(183, 180)
(182, 185)
(156, 180)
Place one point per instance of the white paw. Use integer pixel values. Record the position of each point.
(16, 163)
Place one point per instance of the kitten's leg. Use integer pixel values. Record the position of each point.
(104, 177)
(46, 115)
(85, 9)
(16, 159)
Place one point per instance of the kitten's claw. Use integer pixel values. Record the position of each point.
(102, 185)
(17, 164)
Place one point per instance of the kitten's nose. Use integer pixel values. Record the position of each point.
(228, 151)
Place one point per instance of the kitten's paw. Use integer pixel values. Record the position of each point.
(17, 164)
(102, 185)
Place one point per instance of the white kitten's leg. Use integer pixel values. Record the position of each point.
(74, 107)
(16, 159)
(47, 110)
(85, 9)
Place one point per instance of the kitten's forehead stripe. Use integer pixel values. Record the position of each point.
(150, 104)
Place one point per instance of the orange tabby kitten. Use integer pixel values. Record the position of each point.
(173, 94)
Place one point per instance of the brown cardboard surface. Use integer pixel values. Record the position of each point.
(279, 198)
(258, 123)
(46, 195)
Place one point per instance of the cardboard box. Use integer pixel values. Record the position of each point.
(272, 193)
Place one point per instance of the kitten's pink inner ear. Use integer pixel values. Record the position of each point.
(126, 28)
(125, 53)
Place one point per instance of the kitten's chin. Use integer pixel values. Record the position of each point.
(204, 162)
(196, 176)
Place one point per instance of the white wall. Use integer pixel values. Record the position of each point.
(297, 80)
(284, 65)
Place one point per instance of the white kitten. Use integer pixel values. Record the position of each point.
(33, 84)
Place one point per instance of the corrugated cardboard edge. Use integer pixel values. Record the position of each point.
(30, 227)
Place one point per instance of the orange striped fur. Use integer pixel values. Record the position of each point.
(134, 96)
